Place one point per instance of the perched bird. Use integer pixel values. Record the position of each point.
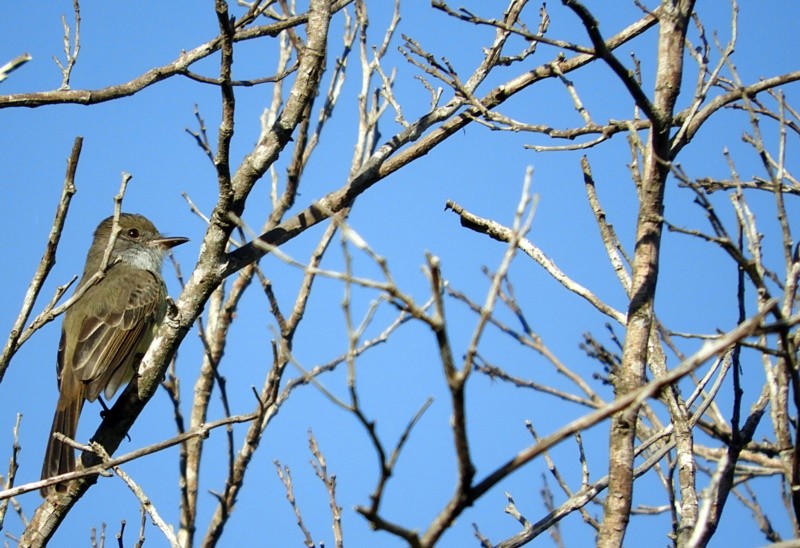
(106, 332)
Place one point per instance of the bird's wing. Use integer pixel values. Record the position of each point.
(116, 329)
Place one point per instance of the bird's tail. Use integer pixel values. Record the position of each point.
(59, 458)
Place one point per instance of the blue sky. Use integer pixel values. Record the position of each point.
(402, 218)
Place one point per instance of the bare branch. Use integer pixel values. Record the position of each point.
(17, 337)
(13, 65)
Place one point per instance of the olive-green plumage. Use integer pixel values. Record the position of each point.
(108, 329)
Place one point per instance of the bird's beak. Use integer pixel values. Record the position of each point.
(169, 242)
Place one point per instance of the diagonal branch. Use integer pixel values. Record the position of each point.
(177, 67)
(17, 336)
(602, 50)
(420, 139)
(205, 278)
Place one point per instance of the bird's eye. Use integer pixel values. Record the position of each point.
(133, 233)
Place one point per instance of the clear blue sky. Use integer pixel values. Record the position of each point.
(401, 218)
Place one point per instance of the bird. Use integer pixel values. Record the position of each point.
(107, 330)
